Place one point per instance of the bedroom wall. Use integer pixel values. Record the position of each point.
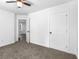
(40, 26)
(7, 29)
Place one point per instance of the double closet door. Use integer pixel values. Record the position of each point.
(58, 31)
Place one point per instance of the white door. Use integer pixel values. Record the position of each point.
(28, 30)
(57, 32)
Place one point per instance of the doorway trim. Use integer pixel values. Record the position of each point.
(27, 21)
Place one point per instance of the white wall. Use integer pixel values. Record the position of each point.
(40, 28)
(7, 29)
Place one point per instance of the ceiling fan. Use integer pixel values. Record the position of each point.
(20, 3)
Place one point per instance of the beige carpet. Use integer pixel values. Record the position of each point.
(22, 50)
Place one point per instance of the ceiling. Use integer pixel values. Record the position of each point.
(36, 5)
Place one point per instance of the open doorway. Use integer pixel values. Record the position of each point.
(22, 30)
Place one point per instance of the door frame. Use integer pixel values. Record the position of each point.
(27, 20)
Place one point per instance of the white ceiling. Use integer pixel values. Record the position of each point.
(36, 5)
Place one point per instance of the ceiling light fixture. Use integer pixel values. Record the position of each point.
(19, 4)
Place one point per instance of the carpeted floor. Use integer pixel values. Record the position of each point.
(22, 50)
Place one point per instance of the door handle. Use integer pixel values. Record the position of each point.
(28, 31)
(50, 32)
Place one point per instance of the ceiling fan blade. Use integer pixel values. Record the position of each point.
(10, 1)
(27, 4)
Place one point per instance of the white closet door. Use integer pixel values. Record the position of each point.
(58, 27)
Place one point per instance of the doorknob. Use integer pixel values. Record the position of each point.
(50, 32)
(28, 31)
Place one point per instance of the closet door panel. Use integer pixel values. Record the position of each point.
(58, 38)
